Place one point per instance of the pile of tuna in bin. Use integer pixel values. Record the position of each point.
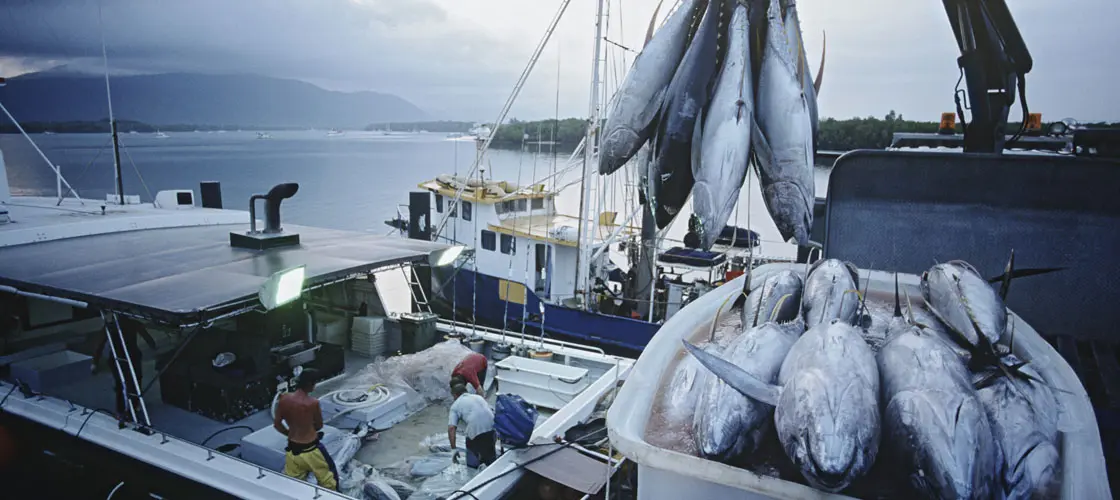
(935, 398)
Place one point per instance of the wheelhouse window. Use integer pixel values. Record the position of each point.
(522, 205)
(508, 245)
(538, 203)
(439, 203)
(466, 210)
(488, 240)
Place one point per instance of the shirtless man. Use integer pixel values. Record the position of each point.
(305, 454)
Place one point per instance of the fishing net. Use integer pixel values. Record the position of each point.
(424, 376)
(445, 483)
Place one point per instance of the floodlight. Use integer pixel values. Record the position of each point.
(282, 287)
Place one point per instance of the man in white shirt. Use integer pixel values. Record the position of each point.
(473, 413)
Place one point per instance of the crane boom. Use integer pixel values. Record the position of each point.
(994, 61)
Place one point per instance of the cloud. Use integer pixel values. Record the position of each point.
(461, 58)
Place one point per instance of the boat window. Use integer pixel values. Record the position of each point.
(488, 240)
(522, 205)
(500, 208)
(466, 210)
(508, 246)
(439, 203)
(538, 203)
(454, 208)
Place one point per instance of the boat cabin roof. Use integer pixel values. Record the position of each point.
(560, 229)
(487, 194)
(190, 274)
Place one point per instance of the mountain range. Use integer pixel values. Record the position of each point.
(199, 99)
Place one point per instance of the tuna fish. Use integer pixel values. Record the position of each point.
(964, 301)
(777, 299)
(631, 121)
(830, 293)
(827, 402)
(783, 140)
(725, 143)
(670, 173)
(727, 423)
(934, 425)
(685, 388)
(1024, 417)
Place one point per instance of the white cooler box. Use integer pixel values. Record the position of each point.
(541, 383)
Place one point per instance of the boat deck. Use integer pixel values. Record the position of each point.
(40, 218)
(394, 445)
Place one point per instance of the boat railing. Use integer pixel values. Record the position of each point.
(252, 470)
(461, 327)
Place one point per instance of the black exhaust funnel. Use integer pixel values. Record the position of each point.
(273, 234)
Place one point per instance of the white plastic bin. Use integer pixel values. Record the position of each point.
(541, 383)
(667, 474)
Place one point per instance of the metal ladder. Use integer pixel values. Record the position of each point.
(414, 284)
(111, 330)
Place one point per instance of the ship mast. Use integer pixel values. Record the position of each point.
(112, 120)
(591, 149)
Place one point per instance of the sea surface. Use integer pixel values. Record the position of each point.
(354, 181)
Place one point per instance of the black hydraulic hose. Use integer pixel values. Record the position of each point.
(522, 466)
(204, 441)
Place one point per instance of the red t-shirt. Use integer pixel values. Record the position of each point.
(469, 369)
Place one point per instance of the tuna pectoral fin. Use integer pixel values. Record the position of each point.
(736, 377)
(697, 142)
(761, 147)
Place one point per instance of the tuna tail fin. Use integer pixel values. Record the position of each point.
(863, 296)
(820, 71)
(736, 377)
(1010, 273)
(897, 299)
(652, 23)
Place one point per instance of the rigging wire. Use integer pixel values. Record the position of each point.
(509, 267)
(137, 170)
(527, 257)
(509, 103)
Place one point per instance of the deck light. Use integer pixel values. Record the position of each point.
(282, 287)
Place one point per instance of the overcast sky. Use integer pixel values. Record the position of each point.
(459, 59)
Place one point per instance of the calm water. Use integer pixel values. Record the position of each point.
(352, 182)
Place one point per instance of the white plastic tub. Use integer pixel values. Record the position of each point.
(541, 383)
(667, 474)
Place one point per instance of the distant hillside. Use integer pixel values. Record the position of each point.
(444, 126)
(242, 100)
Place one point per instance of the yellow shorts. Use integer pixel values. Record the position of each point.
(313, 461)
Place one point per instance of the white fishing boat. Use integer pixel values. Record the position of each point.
(264, 135)
(235, 313)
(160, 135)
(593, 275)
(180, 430)
(335, 132)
